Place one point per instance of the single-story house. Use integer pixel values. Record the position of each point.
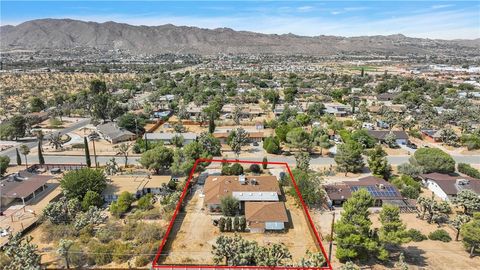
(338, 109)
(265, 216)
(431, 135)
(447, 186)
(138, 185)
(381, 190)
(386, 96)
(166, 138)
(401, 137)
(23, 186)
(253, 135)
(113, 133)
(243, 188)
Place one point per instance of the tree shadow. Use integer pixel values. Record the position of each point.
(414, 256)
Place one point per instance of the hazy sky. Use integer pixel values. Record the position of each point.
(427, 19)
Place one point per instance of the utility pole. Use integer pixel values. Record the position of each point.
(331, 239)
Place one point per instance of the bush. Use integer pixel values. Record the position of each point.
(52, 232)
(416, 235)
(255, 168)
(76, 184)
(141, 261)
(235, 169)
(440, 235)
(122, 252)
(99, 253)
(468, 170)
(92, 198)
(229, 206)
(108, 233)
(122, 205)
(272, 145)
(148, 232)
(145, 202)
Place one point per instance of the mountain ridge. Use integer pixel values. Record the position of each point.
(168, 38)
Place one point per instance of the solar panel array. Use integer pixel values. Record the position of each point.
(388, 191)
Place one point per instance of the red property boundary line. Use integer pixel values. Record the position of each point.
(177, 209)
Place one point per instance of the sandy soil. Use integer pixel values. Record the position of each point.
(194, 236)
(428, 254)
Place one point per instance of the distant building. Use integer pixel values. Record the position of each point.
(114, 134)
(22, 187)
(167, 137)
(447, 186)
(431, 135)
(401, 137)
(338, 109)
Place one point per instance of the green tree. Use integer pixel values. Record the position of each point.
(25, 150)
(211, 123)
(323, 142)
(237, 139)
(4, 162)
(353, 230)
(281, 131)
(378, 163)
(433, 160)
(229, 206)
(264, 164)
(177, 141)
(91, 199)
(470, 233)
(145, 202)
(19, 124)
(228, 224)
(393, 231)
(272, 145)
(75, 184)
(21, 253)
(300, 139)
(210, 144)
(157, 159)
(236, 224)
(309, 184)
(132, 122)
(469, 200)
(242, 224)
(41, 160)
(362, 137)
(36, 104)
(349, 158)
(221, 224)
(87, 152)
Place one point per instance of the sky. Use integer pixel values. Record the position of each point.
(424, 19)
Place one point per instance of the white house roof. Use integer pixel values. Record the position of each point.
(256, 196)
(169, 136)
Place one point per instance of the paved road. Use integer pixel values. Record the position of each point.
(394, 160)
(33, 143)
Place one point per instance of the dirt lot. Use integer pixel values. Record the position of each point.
(427, 254)
(194, 234)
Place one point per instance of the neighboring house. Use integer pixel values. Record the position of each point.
(114, 134)
(386, 96)
(162, 113)
(166, 138)
(37, 117)
(138, 185)
(446, 186)
(253, 135)
(193, 110)
(382, 191)
(401, 137)
(266, 216)
(431, 135)
(22, 187)
(338, 109)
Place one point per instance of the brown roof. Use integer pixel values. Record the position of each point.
(448, 183)
(265, 211)
(217, 187)
(23, 184)
(377, 187)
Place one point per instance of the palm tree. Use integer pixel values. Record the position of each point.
(25, 150)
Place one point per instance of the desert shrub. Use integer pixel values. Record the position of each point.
(440, 235)
(122, 205)
(91, 198)
(128, 231)
(255, 168)
(108, 233)
(236, 169)
(122, 252)
(148, 232)
(54, 232)
(145, 202)
(141, 261)
(99, 253)
(242, 224)
(416, 235)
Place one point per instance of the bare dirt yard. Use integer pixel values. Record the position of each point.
(193, 234)
(428, 254)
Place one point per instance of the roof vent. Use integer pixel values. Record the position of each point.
(462, 182)
(241, 179)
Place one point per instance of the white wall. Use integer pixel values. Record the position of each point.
(432, 185)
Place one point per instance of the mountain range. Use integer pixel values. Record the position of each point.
(69, 34)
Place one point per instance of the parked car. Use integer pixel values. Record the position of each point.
(255, 143)
(412, 145)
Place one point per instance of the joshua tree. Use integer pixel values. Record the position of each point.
(24, 150)
(56, 141)
(123, 150)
